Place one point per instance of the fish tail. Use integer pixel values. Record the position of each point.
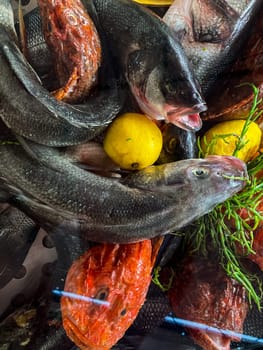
(156, 245)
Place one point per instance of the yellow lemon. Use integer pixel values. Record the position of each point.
(133, 141)
(154, 2)
(223, 138)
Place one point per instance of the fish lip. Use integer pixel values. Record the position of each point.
(187, 118)
(189, 122)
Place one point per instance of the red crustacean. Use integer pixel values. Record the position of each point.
(117, 274)
(203, 293)
(72, 37)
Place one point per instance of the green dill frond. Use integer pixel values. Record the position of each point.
(156, 279)
(224, 226)
(241, 141)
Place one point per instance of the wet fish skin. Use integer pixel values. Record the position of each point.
(75, 44)
(149, 203)
(30, 111)
(212, 42)
(153, 63)
(17, 232)
(177, 144)
(38, 53)
(113, 273)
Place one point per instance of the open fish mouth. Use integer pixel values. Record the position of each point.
(186, 118)
(190, 122)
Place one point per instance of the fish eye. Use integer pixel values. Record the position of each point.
(201, 173)
(102, 293)
(72, 18)
(123, 312)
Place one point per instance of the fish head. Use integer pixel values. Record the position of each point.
(164, 85)
(60, 14)
(62, 21)
(224, 175)
(194, 186)
(206, 182)
(116, 279)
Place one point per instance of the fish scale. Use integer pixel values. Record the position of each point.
(29, 109)
(144, 205)
(152, 62)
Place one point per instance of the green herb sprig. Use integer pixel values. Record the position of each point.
(215, 226)
(156, 279)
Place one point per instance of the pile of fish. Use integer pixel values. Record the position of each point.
(68, 70)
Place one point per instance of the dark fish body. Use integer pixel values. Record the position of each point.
(29, 109)
(38, 53)
(151, 202)
(17, 232)
(152, 61)
(212, 42)
(177, 144)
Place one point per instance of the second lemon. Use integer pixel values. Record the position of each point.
(223, 138)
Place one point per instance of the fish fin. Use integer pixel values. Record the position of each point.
(22, 29)
(32, 152)
(156, 245)
(8, 191)
(29, 150)
(170, 245)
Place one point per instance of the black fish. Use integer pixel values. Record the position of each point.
(146, 204)
(30, 111)
(38, 53)
(177, 144)
(152, 61)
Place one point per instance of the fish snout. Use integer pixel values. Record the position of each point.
(231, 166)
